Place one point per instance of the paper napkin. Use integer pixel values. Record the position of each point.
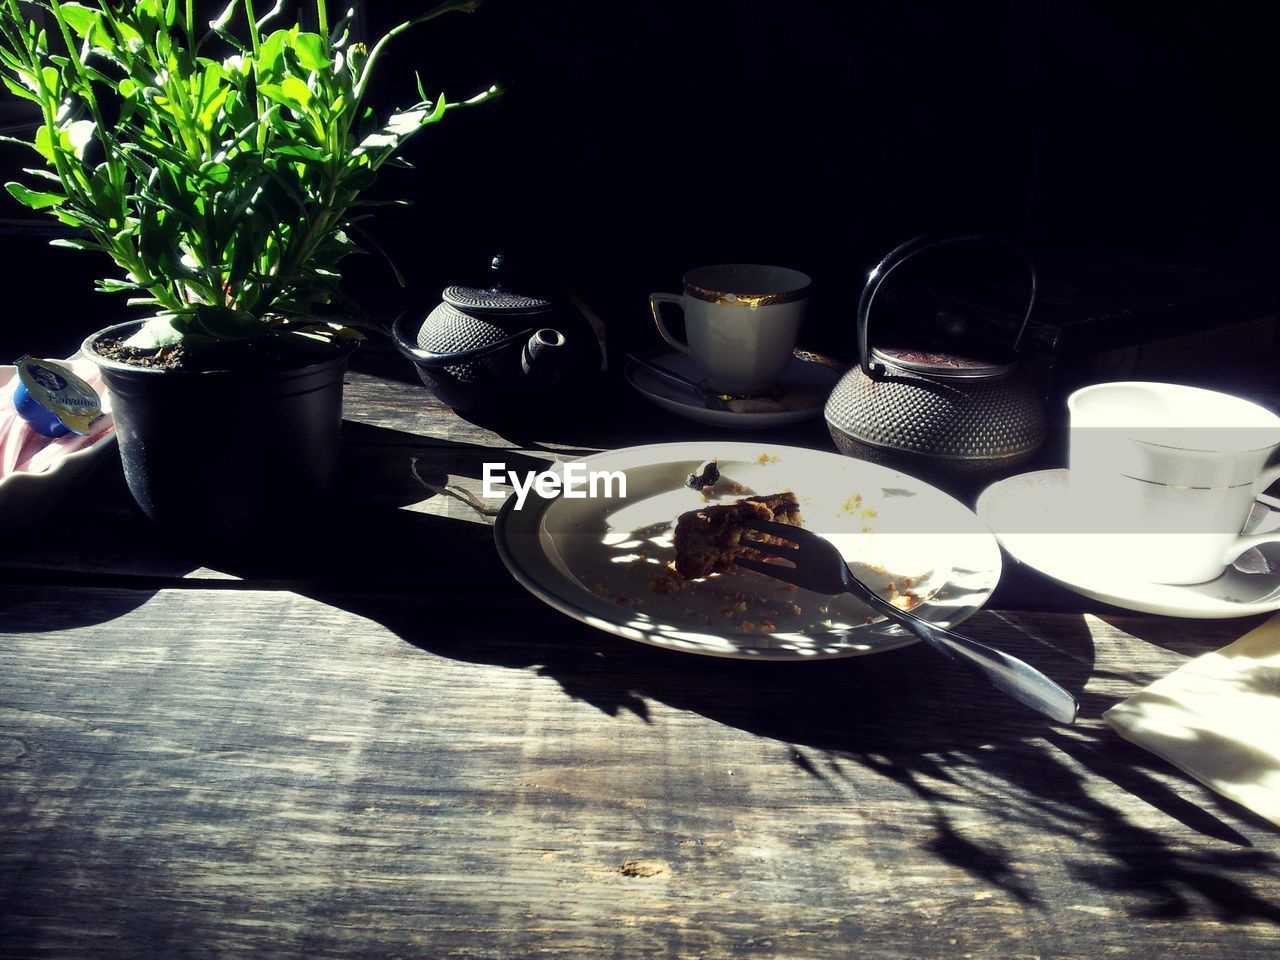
(1218, 718)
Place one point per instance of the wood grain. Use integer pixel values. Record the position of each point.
(374, 743)
(211, 772)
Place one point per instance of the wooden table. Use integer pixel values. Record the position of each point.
(383, 746)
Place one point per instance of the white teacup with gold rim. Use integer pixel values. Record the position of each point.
(1166, 476)
(742, 320)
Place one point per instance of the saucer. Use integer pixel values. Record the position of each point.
(804, 387)
(1032, 519)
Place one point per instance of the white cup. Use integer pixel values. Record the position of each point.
(742, 321)
(1166, 476)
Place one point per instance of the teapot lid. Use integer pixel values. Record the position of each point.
(498, 298)
(945, 365)
(494, 300)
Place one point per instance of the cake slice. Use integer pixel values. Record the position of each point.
(710, 538)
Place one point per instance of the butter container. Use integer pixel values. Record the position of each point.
(53, 400)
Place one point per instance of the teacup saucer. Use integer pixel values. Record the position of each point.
(802, 391)
(1031, 516)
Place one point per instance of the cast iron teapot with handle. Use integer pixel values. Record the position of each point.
(952, 415)
(506, 345)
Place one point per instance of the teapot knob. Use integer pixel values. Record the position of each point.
(497, 268)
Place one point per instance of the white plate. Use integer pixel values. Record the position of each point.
(25, 497)
(1031, 518)
(805, 386)
(598, 559)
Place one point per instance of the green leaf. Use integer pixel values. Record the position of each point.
(218, 173)
(80, 19)
(74, 243)
(112, 285)
(101, 41)
(316, 337)
(18, 90)
(340, 33)
(97, 76)
(80, 219)
(296, 90)
(271, 56)
(19, 67)
(42, 174)
(227, 324)
(302, 151)
(132, 38)
(209, 76)
(36, 200)
(79, 135)
(228, 37)
(400, 127)
(242, 260)
(211, 107)
(43, 144)
(359, 178)
(310, 48)
(276, 93)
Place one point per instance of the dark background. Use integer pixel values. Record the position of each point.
(635, 141)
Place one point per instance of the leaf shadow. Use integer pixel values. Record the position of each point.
(905, 721)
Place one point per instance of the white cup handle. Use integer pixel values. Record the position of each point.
(656, 300)
(1244, 543)
(1269, 476)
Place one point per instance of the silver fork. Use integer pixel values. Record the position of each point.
(818, 566)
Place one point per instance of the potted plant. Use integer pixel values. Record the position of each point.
(222, 169)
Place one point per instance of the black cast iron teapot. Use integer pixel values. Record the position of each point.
(511, 343)
(958, 414)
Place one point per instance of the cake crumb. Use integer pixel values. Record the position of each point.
(668, 581)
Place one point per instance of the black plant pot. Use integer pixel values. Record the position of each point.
(226, 457)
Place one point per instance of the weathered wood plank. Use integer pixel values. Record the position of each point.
(211, 772)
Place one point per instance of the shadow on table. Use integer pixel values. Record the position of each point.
(907, 717)
(910, 718)
(906, 720)
(1175, 634)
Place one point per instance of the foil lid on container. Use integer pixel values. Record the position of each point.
(53, 400)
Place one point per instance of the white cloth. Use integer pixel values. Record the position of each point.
(1218, 719)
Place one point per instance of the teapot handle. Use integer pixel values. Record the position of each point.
(904, 252)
